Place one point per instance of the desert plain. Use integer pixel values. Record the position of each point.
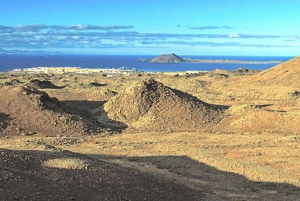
(219, 135)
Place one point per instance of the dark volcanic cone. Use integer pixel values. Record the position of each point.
(30, 111)
(149, 105)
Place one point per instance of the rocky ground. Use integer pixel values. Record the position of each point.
(222, 135)
(51, 173)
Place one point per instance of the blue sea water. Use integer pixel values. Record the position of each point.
(11, 62)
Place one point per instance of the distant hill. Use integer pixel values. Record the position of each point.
(165, 58)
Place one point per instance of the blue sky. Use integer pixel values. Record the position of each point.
(141, 27)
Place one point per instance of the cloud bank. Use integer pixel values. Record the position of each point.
(212, 27)
(85, 36)
(76, 27)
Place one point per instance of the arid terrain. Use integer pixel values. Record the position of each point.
(220, 135)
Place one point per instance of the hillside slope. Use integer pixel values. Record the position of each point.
(287, 73)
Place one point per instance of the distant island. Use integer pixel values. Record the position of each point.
(165, 58)
(173, 58)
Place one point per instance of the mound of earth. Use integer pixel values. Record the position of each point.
(29, 111)
(167, 58)
(150, 105)
(284, 73)
(42, 84)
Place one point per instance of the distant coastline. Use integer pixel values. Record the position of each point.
(173, 58)
(78, 70)
(217, 61)
(209, 63)
(230, 61)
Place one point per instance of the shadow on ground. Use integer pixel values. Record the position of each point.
(93, 112)
(62, 175)
(56, 174)
(216, 184)
(4, 120)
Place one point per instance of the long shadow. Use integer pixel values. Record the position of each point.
(62, 175)
(92, 111)
(221, 107)
(56, 174)
(216, 184)
(4, 120)
(96, 84)
(266, 105)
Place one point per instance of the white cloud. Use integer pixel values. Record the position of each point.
(233, 35)
(75, 37)
(61, 37)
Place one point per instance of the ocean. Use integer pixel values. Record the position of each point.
(11, 62)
